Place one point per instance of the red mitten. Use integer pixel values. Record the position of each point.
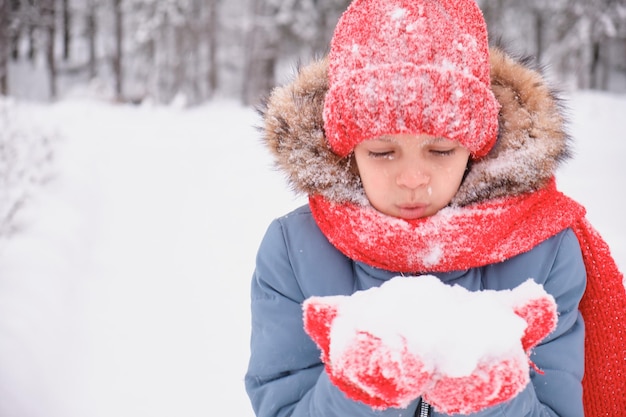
(462, 351)
(367, 369)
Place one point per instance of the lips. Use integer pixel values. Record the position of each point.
(412, 211)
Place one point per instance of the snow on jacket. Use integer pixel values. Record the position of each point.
(296, 260)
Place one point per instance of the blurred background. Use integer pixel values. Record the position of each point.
(190, 51)
(135, 189)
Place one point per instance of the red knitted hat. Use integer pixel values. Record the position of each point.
(410, 66)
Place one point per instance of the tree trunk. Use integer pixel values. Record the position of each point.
(212, 27)
(17, 29)
(90, 29)
(67, 29)
(4, 47)
(31, 25)
(48, 13)
(602, 64)
(118, 57)
(261, 52)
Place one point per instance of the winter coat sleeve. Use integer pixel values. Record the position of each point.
(556, 390)
(285, 375)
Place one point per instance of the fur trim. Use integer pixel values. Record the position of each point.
(294, 133)
(532, 138)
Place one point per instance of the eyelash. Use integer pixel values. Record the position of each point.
(388, 154)
(447, 152)
(380, 155)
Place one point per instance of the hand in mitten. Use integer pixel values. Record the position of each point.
(461, 351)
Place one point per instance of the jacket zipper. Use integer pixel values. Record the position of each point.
(423, 410)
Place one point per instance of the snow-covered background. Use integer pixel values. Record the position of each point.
(124, 291)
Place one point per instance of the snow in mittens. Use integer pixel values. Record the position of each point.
(463, 327)
(417, 336)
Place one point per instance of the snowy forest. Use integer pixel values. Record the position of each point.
(135, 189)
(191, 51)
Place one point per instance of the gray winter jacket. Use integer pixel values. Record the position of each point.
(295, 261)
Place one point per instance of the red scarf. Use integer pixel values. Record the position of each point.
(491, 232)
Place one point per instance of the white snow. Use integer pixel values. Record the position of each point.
(126, 292)
(459, 323)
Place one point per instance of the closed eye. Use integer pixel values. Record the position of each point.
(443, 152)
(377, 155)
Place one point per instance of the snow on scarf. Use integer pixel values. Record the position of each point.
(507, 204)
(453, 239)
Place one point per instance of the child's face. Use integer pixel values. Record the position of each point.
(410, 176)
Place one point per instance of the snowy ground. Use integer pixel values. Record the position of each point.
(126, 293)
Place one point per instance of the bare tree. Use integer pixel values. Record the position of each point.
(608, 36)
(328, 13)
(4, 46)
(285, 29)
(212, 29)
(190, 49)
(118, 54)
(574, 38)
(48, 23)
(261, 52)
(32, 14)
(67, 28)
(14, 24)
(24, 17)
(90, 33)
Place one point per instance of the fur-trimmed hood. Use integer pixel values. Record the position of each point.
(532, 138)
(507, 205)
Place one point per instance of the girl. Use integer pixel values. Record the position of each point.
(422, 151)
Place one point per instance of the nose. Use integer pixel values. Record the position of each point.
(412, 177)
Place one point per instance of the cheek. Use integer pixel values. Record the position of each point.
(375, 180)
(445, 170)
(449, 176)
(455, 172)
(371, 172)
(459, 165)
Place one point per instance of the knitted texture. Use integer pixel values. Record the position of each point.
(388, 363)
(453, 239)
(410, 66)
(490, 232)
(604, 310)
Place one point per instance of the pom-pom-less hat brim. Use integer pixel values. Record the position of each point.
(406, 98)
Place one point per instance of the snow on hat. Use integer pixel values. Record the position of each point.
(410, 66)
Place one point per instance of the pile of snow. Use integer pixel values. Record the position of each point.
(461, 338)
(473, 355)
(127, 292)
